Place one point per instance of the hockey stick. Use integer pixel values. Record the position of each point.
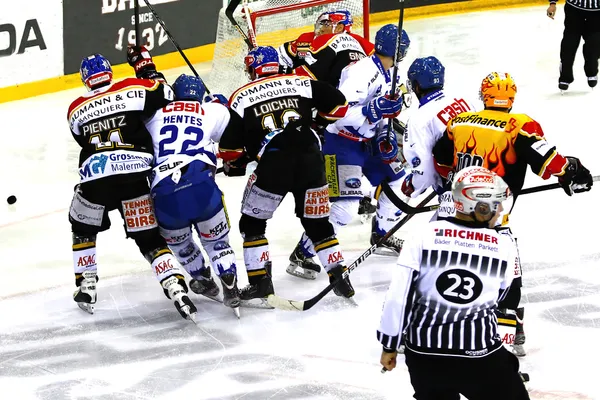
(187, 61)
(407, 209)
(229, 13)
(136, 22)
(396, 61)
(292, 305)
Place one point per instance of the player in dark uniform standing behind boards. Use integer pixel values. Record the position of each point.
(448, 280)
(271, 123)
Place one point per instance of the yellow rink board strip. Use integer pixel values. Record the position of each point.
(205, 53)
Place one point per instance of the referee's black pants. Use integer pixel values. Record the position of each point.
(580, 24)
(493, 377)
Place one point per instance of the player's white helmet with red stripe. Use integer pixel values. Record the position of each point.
(478, 189)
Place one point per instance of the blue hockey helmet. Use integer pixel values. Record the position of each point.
(95, 71)
(187, 87)
(333, 18)
(427, 72)
(385, 41)
(262, 60)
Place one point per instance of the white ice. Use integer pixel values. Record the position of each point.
(136, 346)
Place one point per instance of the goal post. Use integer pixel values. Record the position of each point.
(274, 22)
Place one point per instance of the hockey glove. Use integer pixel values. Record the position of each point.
(236, 167)
(141, 61)
(577, 178)
(382, 107)
(407, 187)
(216, 98)
(388, 149)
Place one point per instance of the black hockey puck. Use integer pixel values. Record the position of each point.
(12, 199)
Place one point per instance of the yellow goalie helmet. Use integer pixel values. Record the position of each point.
(498, 90)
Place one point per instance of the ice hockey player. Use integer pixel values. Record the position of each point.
(426, 125)
(358, 144)
(184, 190)
(114, 162)
(271, 122)
(323, 54)
(443, 296)
(507, 143)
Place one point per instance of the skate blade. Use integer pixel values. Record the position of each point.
(518, 351)
(385, 251)
(297, 272)
(214, 298)
(88, 308)
(256, 303)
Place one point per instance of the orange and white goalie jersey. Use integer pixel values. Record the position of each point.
(501, 142)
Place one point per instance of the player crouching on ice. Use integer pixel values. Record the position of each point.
(271, 122)
(443, 297)
(114, 162)
(184, 190)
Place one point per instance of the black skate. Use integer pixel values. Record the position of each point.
(563, 86)
(344, 287)
(301, 266)
(259, 288)
(206, 285)
(390, 247)
(366, 209)
(231, 293)
(86, 294)
(592, 81)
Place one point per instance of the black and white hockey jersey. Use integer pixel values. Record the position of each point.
(111, 120)
(448, 280)
(264, 109)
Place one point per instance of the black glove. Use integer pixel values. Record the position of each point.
(141, 61)
(577, 178)
(236, 167)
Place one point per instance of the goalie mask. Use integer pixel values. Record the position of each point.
(328, 21)
(477, 189)
(262, 61)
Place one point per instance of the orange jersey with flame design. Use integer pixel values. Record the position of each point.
(501, 142)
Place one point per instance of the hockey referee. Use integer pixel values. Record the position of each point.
(582, 19)
(442, 299)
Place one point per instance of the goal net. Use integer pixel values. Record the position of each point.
(274, 22)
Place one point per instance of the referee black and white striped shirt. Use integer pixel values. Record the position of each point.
(591, 5)
(446, 287)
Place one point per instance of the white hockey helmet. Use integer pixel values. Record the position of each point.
(477, 189)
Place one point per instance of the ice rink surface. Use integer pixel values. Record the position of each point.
(136, 346)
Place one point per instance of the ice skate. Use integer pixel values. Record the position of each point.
(390, 247)
(259, 288)
(231, 293)
(205, 285)
(344, 287)
(302, 266)
(86, 295)
(517, 348)
(176, 291)
(563, 86)
(592, 81)
(366, 210)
